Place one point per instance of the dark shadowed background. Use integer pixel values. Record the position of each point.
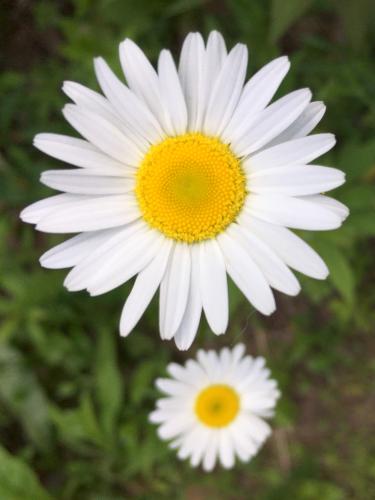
(74, 396)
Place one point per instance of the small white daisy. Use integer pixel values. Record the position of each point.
(215, 407)
(186, 175)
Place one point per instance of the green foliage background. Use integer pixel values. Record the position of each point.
(74, 396)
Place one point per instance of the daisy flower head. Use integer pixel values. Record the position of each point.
(215, 407)
(186, 174)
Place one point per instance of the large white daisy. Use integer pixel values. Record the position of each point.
(186, 175)
(215, 407)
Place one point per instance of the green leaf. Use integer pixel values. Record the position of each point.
(108, 381)
(142, 381)
(78, 427)
(340, 271)
(284, 13)
(23, 396)
(18, 481)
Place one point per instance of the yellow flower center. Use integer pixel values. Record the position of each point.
(217, 405)
(190, 187)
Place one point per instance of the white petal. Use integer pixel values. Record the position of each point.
(81, 274)
(255, 366)
(191, 440)
(176, 443)
(192, 72)
(187, 330)
(38, 210)
(201, 440)
(244, 427)
(144, 288)
(304, 124)
(289, 247)
(335, 206)
(171, 94)
(297, 180)
(86, 182)
(159, 416)
(225, 357)
(191, 374)
(91, 101)
(173, 387)
(226, 91)
(213, 286)
(79, 153)
(244, 447)
(226, 450)
(90, 214)
(246, 275)
(103, 134)
(174, 291)
(270, 122)
(241, 370)
(141, 77)
(256, 94)
(176, 426)
(212, 449)
(72, 251)
(125, 261)
(298, 213)
(210, 363)
(132, 109)
(176, 403)
(256, 428)
(214, 58)
(295, 152)
(260, 401)
(197, 374)
(275, 271)
(237, 353)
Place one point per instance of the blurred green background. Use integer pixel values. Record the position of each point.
(74, 396)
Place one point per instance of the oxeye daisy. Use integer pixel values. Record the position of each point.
(187, 174)
(215, 407)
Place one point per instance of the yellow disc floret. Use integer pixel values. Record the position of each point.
(190, 187)
(217, 405)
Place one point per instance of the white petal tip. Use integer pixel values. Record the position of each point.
(319, 105)
(43, 228)
(219, 332)
(125, 331)
(345, 212)
(43, 261)
(269, 311)
(66, 85)
(24, 216)
(127, 43)
(40, 139)
(182, 347)
(306, 92)
(67, 110)
(332, 138)
(159, 384)
(282, 61)
(124, 334)
(322, 276)
(228, 466)
(72, 287)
